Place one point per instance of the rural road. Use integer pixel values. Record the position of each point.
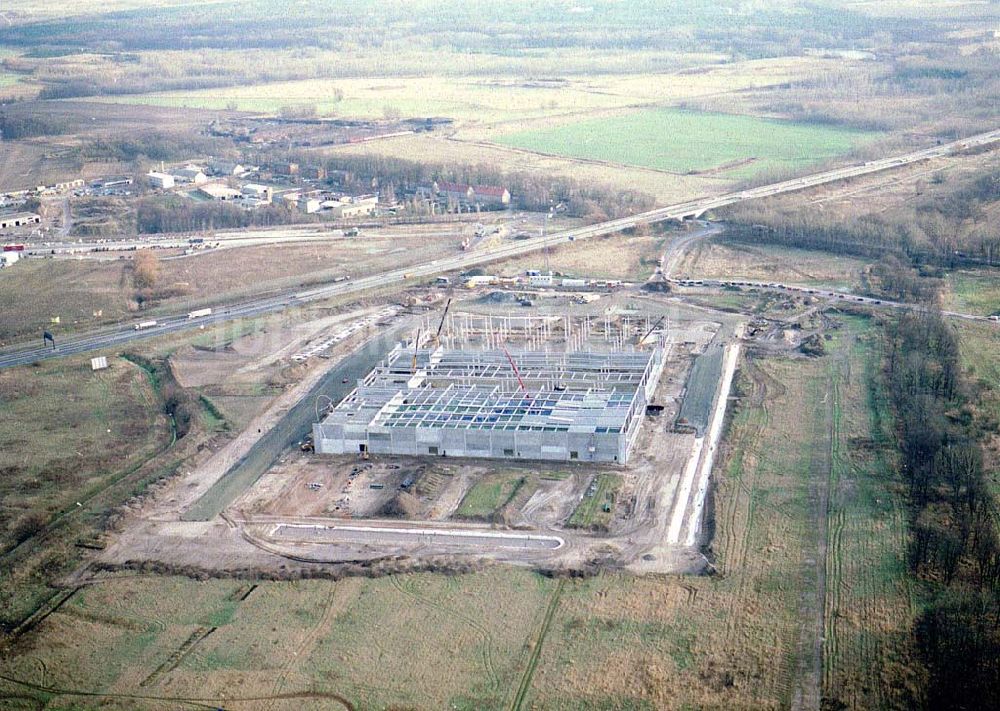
(680, 211)
(839, 295)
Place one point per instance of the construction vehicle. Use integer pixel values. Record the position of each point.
(416, 345)
(436, 341)
(647, 334)
(513, 366)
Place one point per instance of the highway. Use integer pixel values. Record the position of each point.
(465, 260)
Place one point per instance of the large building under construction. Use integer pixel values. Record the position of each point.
(497, 404)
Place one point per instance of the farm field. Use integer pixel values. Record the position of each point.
(450, 642)
(806, 431)
(682, 141)
(438, 150)
(489, 98)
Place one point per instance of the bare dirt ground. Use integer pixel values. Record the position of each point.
(322, 493)
(245, 359)
(714, 260)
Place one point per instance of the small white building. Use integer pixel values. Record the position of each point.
(542, 279)
(161, 181)
(8, 258)
(191, 174)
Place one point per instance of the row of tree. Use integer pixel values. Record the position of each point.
(400, 177)
(154, 216)
(955, 548)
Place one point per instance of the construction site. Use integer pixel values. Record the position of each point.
(497, 404)
(545, 439)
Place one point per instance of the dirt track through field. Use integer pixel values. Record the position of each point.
(342, 594)
(195, 702)
(809, 683)
(536, 651)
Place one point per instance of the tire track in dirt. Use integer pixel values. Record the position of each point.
(343, 591)
(536, 652)
(192, 701)
(487, 639)
(808, 672)
(835, 551)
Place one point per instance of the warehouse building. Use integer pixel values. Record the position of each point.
(161, 181)
(521, 405)
(219, 192)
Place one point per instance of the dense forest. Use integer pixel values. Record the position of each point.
(492, 26)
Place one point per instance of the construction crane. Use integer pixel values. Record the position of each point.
(642, 341)
(514, 367)
(437, 336)
(416, 345)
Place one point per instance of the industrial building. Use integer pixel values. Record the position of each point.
(162, 181)
(253, 191)
(190, 174)
(19, 219)
(497, 404)
(219, 192)
(346, 207)
(463, 194)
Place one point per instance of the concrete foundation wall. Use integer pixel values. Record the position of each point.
(551, 446)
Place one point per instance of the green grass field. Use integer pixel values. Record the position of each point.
(687, 141)
(974, 291)
(490, 495)
(67, 436)
(591, 510)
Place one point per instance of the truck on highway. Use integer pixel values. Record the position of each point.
(199, 313)
(144, 325)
